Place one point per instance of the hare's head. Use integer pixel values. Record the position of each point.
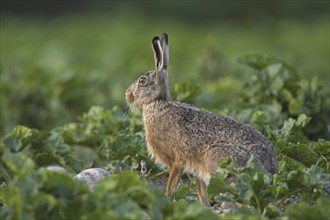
(152, 85)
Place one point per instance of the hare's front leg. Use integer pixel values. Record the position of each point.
(173, 179)
(202, 191)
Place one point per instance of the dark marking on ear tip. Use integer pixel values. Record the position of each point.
(164, 35)
(154, 40)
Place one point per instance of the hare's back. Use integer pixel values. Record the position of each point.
(224, 136)
(204, 126)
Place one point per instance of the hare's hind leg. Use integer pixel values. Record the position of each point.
(173, 179)
(202, 192)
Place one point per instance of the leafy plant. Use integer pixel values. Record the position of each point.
(47, 79)
(276, 83)
(186, 92)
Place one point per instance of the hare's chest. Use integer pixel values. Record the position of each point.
(158, 145)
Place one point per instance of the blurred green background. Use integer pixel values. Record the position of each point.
(60, 58)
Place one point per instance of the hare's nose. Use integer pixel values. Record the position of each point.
(129, 97)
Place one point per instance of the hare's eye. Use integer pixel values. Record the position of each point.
(142, 80)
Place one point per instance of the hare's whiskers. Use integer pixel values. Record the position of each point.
(127, 113)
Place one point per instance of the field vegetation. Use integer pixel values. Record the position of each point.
(63, 80)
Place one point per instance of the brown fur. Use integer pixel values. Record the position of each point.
(187, 139)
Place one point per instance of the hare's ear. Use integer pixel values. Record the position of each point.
(164, 44)
(160, 48)
(156, 46)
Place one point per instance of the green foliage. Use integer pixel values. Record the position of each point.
(262, 194)
(305, 211)
(45, 149)
(48, 78)
(303, 175)
(186, 92)
(275, 83)
(93, 126)
(41, 193)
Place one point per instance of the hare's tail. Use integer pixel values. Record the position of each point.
(266, 156)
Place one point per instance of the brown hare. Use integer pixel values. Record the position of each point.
(187, 139)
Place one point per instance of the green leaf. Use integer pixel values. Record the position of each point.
(302, 153)
(281, 190)
(242, 187)
(127, 183)
(18, 163)
(323, 147)
(93, 126)
(192, 212)
(257, 60)
(216, 186)
(296, 106)
(22, 137)
(186, 92)
(271, 211)
(296, 179)
(317, 178)
(182, 191)
(319, 211)
(302, 120)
